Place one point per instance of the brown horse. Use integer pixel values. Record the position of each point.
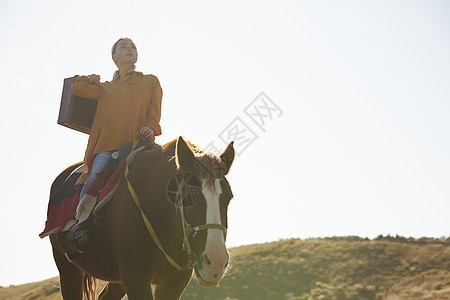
(184, 194)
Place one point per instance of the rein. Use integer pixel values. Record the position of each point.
(188, 231)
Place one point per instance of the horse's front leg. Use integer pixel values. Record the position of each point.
(137, 285)
(112, 291)
(174, 288)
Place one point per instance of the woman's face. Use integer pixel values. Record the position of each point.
(126, 53)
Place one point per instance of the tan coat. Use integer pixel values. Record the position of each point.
(125, 105)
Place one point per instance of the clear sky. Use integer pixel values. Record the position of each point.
(355, 139)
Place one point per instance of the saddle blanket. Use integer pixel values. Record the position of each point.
(63, 204)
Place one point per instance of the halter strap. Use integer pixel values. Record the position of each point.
(196, 229)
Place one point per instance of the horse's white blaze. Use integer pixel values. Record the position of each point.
(215, 250)
(212, 201)
(153, 287)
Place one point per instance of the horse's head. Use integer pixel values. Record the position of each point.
(206, 211)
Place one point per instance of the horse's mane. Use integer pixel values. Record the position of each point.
(209, 166)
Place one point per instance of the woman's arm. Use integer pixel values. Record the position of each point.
(154, 109)
(86, 87)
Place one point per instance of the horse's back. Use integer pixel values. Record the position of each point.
(58, 182)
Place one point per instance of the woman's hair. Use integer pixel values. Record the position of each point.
(114, 47)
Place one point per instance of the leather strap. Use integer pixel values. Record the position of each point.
(144, 217)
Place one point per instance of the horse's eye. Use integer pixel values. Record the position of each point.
(184, 187)
(193, 193)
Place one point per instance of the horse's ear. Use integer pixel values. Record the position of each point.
(184, 157)
(227, 157)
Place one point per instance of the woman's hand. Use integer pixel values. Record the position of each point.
(94, 78)
(147, 133)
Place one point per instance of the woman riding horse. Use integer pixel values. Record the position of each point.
(168, 215)
(128, 106)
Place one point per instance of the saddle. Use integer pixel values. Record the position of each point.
(63, 204)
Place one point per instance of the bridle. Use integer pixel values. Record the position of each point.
(190, 232)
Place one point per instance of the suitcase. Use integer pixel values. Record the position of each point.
(75, 112)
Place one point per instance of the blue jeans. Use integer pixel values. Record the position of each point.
(100, 162)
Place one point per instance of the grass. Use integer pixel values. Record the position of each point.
(327, 268)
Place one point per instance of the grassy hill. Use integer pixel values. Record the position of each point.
(327, 268)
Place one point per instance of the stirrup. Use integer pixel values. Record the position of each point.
(77, 238)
